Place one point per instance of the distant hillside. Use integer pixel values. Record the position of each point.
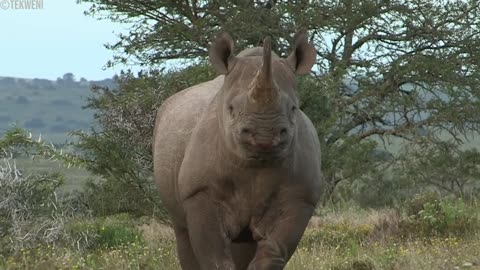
(47, 107)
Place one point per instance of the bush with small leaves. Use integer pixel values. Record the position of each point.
(444, 217)
(119, 150)
(31, 210)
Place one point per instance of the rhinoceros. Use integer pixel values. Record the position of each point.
(237, 162)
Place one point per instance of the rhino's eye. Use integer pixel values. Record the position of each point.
(294, 108)
(230, 109)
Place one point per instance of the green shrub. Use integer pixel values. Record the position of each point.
(442, 216)
(416, 204)
(109, 197)
(32, 210)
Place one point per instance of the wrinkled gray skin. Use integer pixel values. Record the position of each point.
(237, 163)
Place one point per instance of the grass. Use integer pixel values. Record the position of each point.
(338, 240)
(437, 253)
(364, 240)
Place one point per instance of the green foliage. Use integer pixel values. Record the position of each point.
(442, 216)
(416, 203)
(184, 31)
(109, 196)
(376, 189)
(373, 80)
(345, 164)
(443, 166)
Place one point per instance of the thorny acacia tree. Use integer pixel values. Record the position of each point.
(386, 68)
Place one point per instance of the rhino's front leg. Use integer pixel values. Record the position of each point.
(207, 235)
(281, 237)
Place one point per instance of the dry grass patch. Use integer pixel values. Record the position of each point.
(156, 233)
(339, 240)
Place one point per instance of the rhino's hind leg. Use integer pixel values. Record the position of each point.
(243, 254)
(184, 250)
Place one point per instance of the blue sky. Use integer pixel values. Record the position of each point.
(48, 42)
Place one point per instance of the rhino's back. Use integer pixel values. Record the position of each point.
(175, 121)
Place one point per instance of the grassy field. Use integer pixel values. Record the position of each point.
(339, 240)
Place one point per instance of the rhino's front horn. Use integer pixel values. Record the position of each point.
(264, 90)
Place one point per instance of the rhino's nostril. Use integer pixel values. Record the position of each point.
(246, 131)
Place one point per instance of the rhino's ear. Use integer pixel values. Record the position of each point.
(221, 53)
(303, 55)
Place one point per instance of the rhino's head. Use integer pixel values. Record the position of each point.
(258, 101)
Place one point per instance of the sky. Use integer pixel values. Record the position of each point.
(49, 42)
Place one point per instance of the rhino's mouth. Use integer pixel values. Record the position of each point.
(245, 236)
(259, 153)
(265, 157)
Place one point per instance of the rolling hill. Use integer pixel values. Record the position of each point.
(46, 107)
